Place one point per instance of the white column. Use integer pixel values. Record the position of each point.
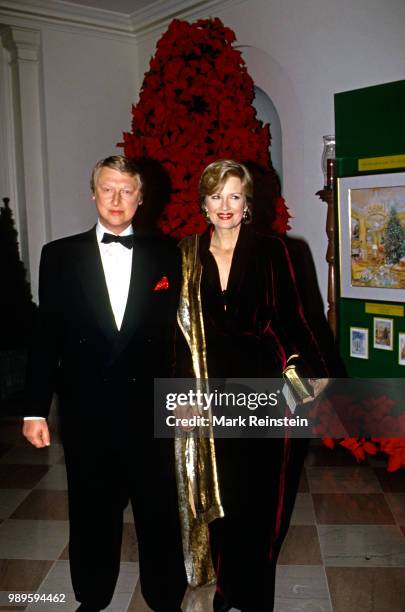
(30, 172)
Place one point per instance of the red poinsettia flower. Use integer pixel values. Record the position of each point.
(395, 449)
(280, 223)
(328, 442)
(360, 448)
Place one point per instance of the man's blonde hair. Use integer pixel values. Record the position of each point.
(119, 163)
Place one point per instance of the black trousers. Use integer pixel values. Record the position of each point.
(109, 462)
(259, 481)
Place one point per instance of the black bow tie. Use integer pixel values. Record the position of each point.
(126, 241)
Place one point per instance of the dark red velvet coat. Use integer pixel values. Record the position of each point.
(262, 325)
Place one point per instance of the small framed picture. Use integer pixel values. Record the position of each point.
(359, 342)
(401, 349)
(383, 334)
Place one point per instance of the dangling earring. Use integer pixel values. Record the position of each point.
(204, 211)
(247, 215)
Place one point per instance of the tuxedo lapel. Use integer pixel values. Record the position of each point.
(90, 271)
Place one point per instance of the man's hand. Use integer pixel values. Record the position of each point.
(37, 432)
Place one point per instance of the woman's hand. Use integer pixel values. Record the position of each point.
(185, 414)
(318, 385)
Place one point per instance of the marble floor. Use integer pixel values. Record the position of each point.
(345, 549)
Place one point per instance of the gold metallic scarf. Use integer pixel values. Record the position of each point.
(197, 479)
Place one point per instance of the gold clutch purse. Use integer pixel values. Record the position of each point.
(296, 387)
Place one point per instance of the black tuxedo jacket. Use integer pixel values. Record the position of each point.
(77, 349)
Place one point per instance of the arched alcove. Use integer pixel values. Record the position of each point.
(267, 112)
(283, 107)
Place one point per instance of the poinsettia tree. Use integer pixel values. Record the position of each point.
(195, 106)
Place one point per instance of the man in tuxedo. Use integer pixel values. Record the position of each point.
(108, 300)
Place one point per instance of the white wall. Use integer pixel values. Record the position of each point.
(90, 83)
(301, 53)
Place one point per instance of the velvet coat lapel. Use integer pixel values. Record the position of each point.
(244, 262)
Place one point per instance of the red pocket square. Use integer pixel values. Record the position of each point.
(163, 283)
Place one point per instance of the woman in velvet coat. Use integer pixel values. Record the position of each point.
(253, 321)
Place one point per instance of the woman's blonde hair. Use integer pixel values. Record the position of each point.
(215, 176)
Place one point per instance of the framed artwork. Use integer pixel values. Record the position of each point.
(359, 342)
(401, 349)
(383, 334)
(371, 212)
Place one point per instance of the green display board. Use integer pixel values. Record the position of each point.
(370, 123)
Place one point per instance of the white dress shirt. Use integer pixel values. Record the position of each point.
(117, 264)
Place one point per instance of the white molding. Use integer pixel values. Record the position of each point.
(135, 25)
(154, 19)
(159, 13)
(68, 14)
(22, 44)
